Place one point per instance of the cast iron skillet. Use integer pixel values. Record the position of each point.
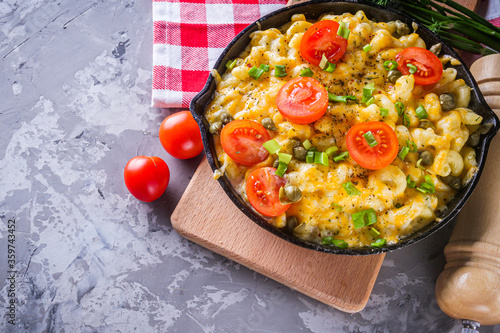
(313, 10)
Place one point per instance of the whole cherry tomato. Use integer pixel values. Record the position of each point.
(146, 177)
(382, 151)
(180, 135)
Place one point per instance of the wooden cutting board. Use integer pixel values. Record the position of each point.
(206, 216)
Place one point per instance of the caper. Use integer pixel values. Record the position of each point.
(426, 123)
(294, 142)
(393, 75)
(402, 28)
(473, 139)
(291, 223)
(453, 181)
(276, 163)
(292, 193)
(215, 128)
(268, 124)
(436, 49)
(300, 153)
(226, 118)
(484, 128)
(427, 157)
(447, 101)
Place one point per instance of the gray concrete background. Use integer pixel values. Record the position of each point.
(75, 92)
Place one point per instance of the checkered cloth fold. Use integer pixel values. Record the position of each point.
(189, 36)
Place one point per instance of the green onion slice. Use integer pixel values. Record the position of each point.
(306, 72)
(367, 92)
(421, 112)
(370, 139)
(404, 152)
(384, 112)
(370, 101)
(367, 48)
(341, 244)
(351, 189)
(400, 107)
(412, 146)
(341, 157)
(324, 62)
(364, 218)
(331, 150)
(230, 64)
(321, 158)
(374, 232)
(280, 71)
(342, 99)
(390, 65)
(419, 164)
(310, 156)
(428, 186)
(307, 144)
(344, 30)
(410, 182)
(255, 72)
(285, 158)
(272, 146)
(413, 69)
(379, 242)
(330, 68)
(264, 67)
(281, 169)
(406, 120)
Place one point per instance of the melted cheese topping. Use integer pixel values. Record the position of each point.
(326, 209)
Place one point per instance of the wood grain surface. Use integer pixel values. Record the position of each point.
(206, 216)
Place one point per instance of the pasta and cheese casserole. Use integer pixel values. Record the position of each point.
(345, 132)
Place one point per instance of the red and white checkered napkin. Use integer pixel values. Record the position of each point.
(189, 36)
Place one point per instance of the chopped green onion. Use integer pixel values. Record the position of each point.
(351, 189)
(406, 120)
(413, 69)
(264, 67)
(306, 72)
(307, 144)
(404, 152)
(326, 240)
(379, 242)
(321, 158)
(341, 157)
(364, 218)
(331, 150)
(421, 112)
(419, 162)
(330, 68)
(428, 186)
(272, 146)
(344, 30)
(367, 92)
(412, 146)
(310, 156)
(367, 48)
(370, 101)
(255, 72)
(341, 244)
(281, 169)
(230, 64)
(384, 112)
(337, 207)
(400, 107)
(324, 62)
(410, 182)
(390, 65)
(280, 71)
(285, 158)
(374, 232)
(370, 139)
(313, 149)
(342, 99)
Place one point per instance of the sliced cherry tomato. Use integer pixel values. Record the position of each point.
(302, 100)
(263, 187)
(180, 135)
(379, 156)
(242, 140)
(146, 177)
(429, 67)
(321, 38)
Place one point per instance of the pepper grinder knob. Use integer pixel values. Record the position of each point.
(469, 286)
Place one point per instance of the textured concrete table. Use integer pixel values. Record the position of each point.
(75, 90)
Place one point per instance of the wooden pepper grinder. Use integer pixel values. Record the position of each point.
(469, 286)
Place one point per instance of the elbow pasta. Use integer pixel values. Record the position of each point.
(394, 192)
